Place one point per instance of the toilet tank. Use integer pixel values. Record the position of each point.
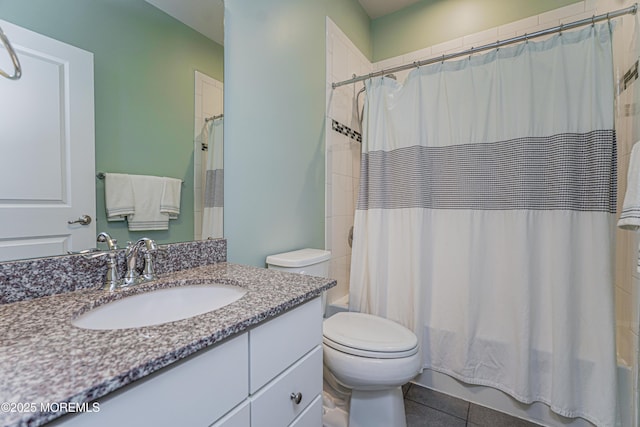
(313, 262)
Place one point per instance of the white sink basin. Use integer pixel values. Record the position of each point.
(159, 306)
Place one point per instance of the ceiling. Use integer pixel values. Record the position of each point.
(207, 16)
(204, 16)
(377, 8)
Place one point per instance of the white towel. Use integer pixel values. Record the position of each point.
(170, 203)
(630, 216)
(148, 191)
(118, 194)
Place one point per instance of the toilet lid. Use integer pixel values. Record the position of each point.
(367, 335)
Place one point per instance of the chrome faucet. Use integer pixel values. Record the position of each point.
(132, 277)
(132, 253)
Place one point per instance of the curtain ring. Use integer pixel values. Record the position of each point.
(443, 58)
(370, 78)
(560, 32)
(593, 20)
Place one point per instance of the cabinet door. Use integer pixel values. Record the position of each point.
(194, 392)
(277, 344)
(276, 405)
(239, 417)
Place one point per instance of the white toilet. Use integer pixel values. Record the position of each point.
(370, 355)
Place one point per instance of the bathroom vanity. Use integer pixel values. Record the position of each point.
(268, 376)
(254, 362)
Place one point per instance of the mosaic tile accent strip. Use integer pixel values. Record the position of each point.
(35, 278)
(629, 77)
(346, 130)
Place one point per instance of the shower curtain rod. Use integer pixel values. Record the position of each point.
(605, 16)
(219, 116)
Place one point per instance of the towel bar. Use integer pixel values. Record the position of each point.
(101, 175)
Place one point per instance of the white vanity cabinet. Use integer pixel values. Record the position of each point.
(285, 367)
(270, 376)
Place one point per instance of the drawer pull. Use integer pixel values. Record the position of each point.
(296, 397)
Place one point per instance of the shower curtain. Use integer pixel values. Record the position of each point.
(485, 218)
(213, 209)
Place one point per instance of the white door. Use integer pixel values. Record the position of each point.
(47, 167)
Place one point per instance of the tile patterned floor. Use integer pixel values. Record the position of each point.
(426, 407)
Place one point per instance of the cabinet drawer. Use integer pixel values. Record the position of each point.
(274, 406)
(278, 343)
(311, 417)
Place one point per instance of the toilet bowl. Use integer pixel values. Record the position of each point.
(369, 356)
(373, 357)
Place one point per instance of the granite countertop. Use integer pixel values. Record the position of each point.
(45, 359)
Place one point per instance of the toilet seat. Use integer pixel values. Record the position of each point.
(365, 335)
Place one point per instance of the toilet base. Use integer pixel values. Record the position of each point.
(379, 408)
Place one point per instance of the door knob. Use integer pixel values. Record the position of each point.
(83, 220)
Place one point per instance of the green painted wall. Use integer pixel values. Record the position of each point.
(429, 22)
(275, 120)
(144, 64)
(354, 23)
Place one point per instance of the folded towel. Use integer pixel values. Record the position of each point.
(170, 202)
(118, 193)
(630, 216)
(147, 191)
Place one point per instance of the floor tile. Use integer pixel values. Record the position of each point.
(405, 389)
(423, 416)
(489, 418)
(442, 402)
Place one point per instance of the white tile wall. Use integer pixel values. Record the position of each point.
(628, 129)
(517, 28)
(343, 154)
(566, 13)
(344, 59)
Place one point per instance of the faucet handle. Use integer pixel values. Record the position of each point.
(84, 251)
(149, 249)
(152, 247)
(112, 278)
(92, 255)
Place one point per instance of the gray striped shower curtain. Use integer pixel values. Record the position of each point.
(485, 218)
